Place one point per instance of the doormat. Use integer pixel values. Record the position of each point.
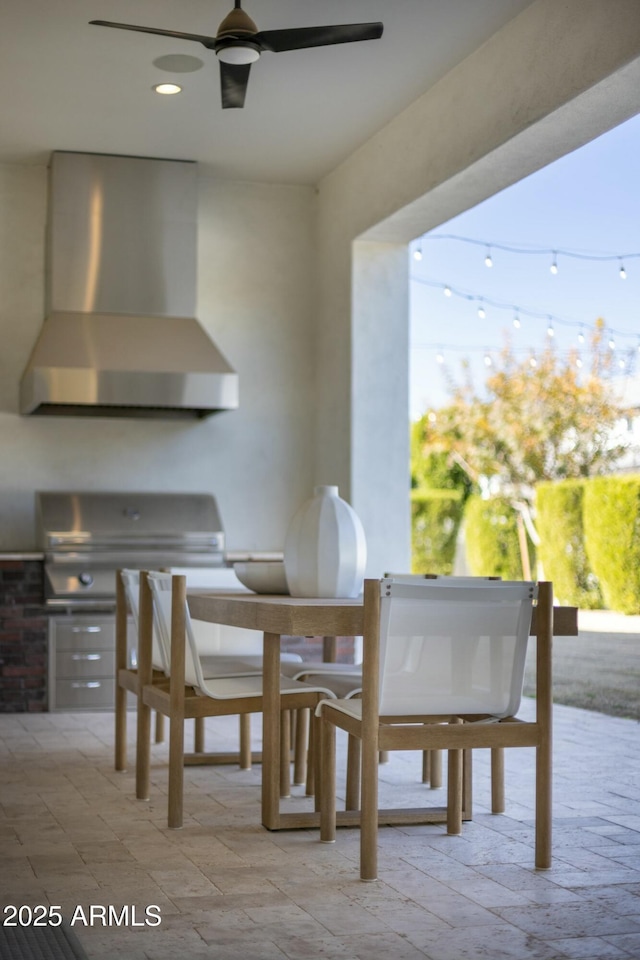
(40, 943)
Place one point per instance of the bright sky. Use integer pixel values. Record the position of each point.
(587, 203)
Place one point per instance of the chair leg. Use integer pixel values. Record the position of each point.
(316, 760)
(467, 784)
(369, 813)
(497, 780)
(454, 789)
(354, 759)
(176, 771)
(328, 764)
(311, 760)
(198, 735)
(543, 806)
(121, 728)
(245, 741)
(435, 769)
(159, 727)
(426, 766)
(301, 745)
(285, 753)
(120, 758)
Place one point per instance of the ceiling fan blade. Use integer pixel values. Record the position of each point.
(206, 41)
(299, 37)
(234, 78)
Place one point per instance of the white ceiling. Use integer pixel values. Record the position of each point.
(71, 86)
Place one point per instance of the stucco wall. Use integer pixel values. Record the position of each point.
(254, 298)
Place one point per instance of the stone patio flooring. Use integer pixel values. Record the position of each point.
(72, 835)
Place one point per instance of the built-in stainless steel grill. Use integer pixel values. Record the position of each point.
(87, 537)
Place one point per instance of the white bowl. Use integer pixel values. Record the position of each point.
(262, 576)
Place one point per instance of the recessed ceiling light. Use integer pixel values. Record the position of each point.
(167, 88)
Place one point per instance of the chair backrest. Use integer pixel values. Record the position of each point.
(215, 639)
(131, 583)
(452, 646)
(161, 591)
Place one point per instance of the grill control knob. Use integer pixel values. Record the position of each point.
(86, 579)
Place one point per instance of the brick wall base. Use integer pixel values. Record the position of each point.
(23, 637)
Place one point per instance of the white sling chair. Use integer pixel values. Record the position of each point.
(215, 645)
(443, 668)
(191, 693)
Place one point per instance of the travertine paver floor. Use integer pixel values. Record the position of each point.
(72, 835)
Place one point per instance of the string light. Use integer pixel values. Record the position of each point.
(554, 263)
(612, 343)
(417, 253)
(625, 365)
(535, 251)
(518, 311)
(623, 272)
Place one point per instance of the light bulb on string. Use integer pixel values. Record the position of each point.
(581, 336)
(447, 291)
(417, 253)
(550, 331)
(533, 362)
(554, 265)
(612, 343)
(488, 262)
(440, 357)
(482, 313)
(622, 363)
(487, 360)
(516, 322)
(623, 272)
(578, 363)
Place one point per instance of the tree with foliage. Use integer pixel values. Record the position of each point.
(540, 418)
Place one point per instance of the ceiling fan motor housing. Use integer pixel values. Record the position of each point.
(237, 24)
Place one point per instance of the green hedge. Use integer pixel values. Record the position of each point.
(491, 537)
(559, 521)
(435, 520)
(612, 539)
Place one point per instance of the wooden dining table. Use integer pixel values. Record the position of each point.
(281, 616)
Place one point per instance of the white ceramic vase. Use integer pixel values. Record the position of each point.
(325, 551)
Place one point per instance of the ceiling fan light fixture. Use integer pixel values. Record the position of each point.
(238, 53)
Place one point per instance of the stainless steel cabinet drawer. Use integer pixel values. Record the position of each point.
(90, 694)
(82, 659)
(79, 634)
(85, 663)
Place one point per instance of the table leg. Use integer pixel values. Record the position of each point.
(271, 731)
(329, 649)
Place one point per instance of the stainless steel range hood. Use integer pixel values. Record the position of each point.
(120, 337)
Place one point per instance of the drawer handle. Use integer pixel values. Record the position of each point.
(91, 684)
(86, 656)
(86, 629)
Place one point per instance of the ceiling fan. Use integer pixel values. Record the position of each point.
(238, 43)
